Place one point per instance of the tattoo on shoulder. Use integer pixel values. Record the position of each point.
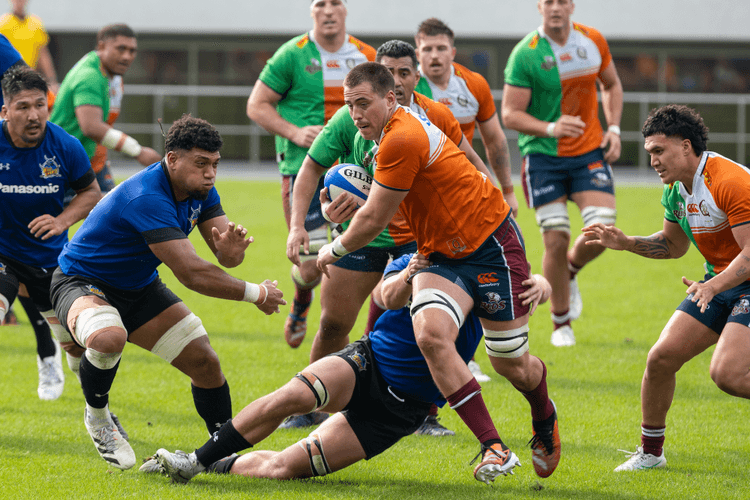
(653, 247)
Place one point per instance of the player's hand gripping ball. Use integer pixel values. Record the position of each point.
(349, 178)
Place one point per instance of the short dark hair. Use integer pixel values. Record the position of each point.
(434, 27)
(676, 120)
(189, 132)
(20, 78)
(375, 74)
(397, 49)
(113, 31)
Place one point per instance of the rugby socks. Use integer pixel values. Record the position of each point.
(652, 439)
(373, 314)
(561, 319)
(468, 403)
(574, 270)
(302, 300)
(96, 382)
(222, 444)
(433, 410)
(214, 406)
(45, 347)
(541, 405)
(223, 466)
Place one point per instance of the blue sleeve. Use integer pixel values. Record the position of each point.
(78, 160)
(8, 55)
(397, 265)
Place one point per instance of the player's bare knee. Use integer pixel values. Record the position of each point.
(726, 378)
(333, 326)
(661, 362)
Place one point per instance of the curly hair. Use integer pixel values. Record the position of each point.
(19, 78)
(676, 120)
(396, 49)
(434, 27)
(189, 132)
(374, 73)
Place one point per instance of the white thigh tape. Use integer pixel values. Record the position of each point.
(174, 340)
(553, 217)
(507, 344)
(432, 298)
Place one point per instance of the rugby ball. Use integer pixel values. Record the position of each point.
(349, 178)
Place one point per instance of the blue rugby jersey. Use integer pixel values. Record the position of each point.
(112, 244)
(33, 183)
(398, 358)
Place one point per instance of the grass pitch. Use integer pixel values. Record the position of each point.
(45, 451)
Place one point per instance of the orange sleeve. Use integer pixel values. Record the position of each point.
(400, 154)
(443, 118)
(601, 43)
(479, 87)
(368, 51)
(730, 188)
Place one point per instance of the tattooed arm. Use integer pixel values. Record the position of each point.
(669, 243)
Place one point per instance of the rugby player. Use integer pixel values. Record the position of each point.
(706, 201)
(550, 99)
(380, 387)
(107, 290)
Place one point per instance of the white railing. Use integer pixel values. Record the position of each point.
(645, 100)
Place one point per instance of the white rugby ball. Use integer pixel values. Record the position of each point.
(349, 178)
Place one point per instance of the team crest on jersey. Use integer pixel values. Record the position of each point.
(456, 245)
(703, 207)
(95, 290)
(742, 307)
(359, 360)
(549, 63)
(4, 166)
(494, 303)
(350, 63)
(50, 168)
(3, 267)
(680, 212)
(581, 51)
(462, 101)
(194, 214)
(314, 66)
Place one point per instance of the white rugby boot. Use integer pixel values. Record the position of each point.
(180, 466)
(51, 376)
(563, 337)
(476, 370)
(109, 442)
(575, 305)
(639, 460)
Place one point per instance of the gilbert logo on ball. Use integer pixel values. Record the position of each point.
(349, 178)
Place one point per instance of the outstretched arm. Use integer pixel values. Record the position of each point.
(226, 240)
(669, 243)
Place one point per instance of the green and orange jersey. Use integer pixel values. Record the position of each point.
(467, 95)
(310, 82)
(450, 207)
(562, 80)
(719, 201)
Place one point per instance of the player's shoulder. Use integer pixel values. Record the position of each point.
(366, 49)
(465, 73)
(432, 108)
(719, 169)
(530, 42)
(296, 43)
(588, 31)
(404, 126)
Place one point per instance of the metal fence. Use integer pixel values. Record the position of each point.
(739, 137)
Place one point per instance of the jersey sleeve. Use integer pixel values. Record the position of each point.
(153, 218)
(479, 87)
(335, 141)
(90, 90)
(443, 118)
(8, 55)
(603, 47)
(79, 163)
(399, 158)
(213, 207)
(516, 72)
(277, 74)
(734, 199)
(667, 197)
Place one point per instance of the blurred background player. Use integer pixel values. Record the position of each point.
(89, 101)
(298, 91)
(107, 290)
(352, 278)
(550, 99)
(380, 385)
(707, 202)
(27, 34)
(465, 228)
(467, 94)
(38, 161)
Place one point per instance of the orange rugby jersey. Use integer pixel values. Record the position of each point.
(451, 207)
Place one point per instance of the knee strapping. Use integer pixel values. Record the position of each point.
(507, 344)
(103, 360)
(313, 445)
(301, 283)
(174, 340)
(4, 306)
(318, 238)
(94, 319)
(553, 217)
(58, 331)
(432, 298)
(317, 387)
(605, 215)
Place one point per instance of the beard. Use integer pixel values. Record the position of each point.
(199, 195)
